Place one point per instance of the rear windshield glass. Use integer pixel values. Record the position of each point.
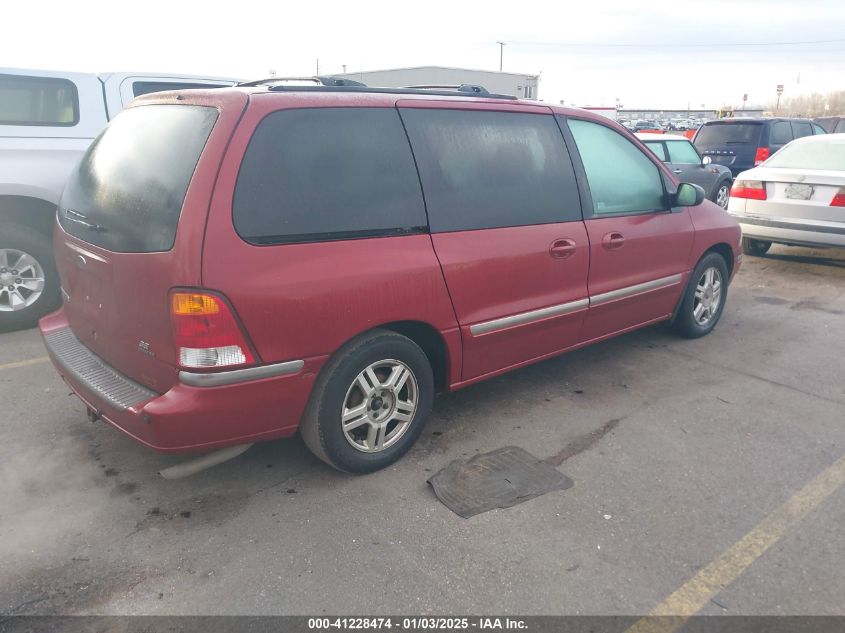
(38, 101)
(728, 134)
(127, 192)
(810, 156)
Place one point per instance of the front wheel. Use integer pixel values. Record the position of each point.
(704, 297)
(370, 403)
(756, 248)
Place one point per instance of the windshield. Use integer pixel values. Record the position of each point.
(728, 133)
(126, 194)
(823, 156)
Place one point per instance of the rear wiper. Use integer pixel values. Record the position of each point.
(76, 216)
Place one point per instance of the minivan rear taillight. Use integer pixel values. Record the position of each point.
(206, 333)
(839, 198)
(749, 189)
(761, 155)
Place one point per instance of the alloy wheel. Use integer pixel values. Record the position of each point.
(21, 280)
(379, 406)
(723, 195)
(708, 296)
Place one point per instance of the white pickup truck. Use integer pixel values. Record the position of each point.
(47, 121)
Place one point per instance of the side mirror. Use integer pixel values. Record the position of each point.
(689, 195)
(706, 160)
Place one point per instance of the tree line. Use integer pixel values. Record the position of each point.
(811, 105)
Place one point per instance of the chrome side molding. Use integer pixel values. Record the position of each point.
(621, 293)
(524, 318)
(528, 317)
(197, 379)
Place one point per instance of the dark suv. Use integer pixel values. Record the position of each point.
(741, 143)
(242, 263)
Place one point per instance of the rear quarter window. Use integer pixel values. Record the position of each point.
(45, 101)
(147, 87)
(322, 174)
(780, 133)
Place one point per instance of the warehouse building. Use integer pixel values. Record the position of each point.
(519, 85)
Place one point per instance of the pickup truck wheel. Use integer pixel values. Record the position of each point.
(755, 248)
(29, 282)
(704, 297)
(370, 403)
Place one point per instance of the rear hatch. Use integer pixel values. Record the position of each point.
(131, 224)
(730, 143)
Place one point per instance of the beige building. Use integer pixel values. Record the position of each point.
(517, 84)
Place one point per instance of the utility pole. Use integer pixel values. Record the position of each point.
(501, 53)
(318, 66)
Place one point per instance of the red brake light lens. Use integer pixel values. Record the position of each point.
(839, 199)
(761, 156)
(749, 189)
(206, 332)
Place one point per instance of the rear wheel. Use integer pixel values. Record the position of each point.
(756, 248)
(29, 286)
(704, 297)
(723, 194)
(370, 403)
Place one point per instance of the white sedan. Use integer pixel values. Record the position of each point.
(796, 197)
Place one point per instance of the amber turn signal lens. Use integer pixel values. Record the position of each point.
(194, 303)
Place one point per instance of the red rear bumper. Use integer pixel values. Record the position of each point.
(185, 418)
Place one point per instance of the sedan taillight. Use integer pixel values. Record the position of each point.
(749, 189)
(839, 198)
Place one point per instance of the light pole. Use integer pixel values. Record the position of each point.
(501, 53)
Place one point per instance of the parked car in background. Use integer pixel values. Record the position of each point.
(344, 252)
(742, 143)
(47, 120)
(647, 126)
(832, 124)
(796, 197)
(685, 162)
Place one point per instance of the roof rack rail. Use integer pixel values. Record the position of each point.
(464, 90)
(318, 80)
(473, 88)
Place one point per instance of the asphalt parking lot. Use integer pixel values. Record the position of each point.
(678, 450)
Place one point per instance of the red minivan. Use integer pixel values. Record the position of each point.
(243, 263)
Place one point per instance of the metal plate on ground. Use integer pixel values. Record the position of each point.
(499, 479)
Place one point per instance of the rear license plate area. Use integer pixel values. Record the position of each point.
(798, 192)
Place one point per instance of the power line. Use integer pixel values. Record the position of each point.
(708, 45)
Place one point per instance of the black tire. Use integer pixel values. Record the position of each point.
(755, 248)
(29, 241)
(724, 186)
(321, 424)
(685, 323)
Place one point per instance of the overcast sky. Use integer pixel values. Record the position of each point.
(659, 53)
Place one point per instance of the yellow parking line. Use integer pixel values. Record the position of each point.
(24, 363)
(712, 579)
